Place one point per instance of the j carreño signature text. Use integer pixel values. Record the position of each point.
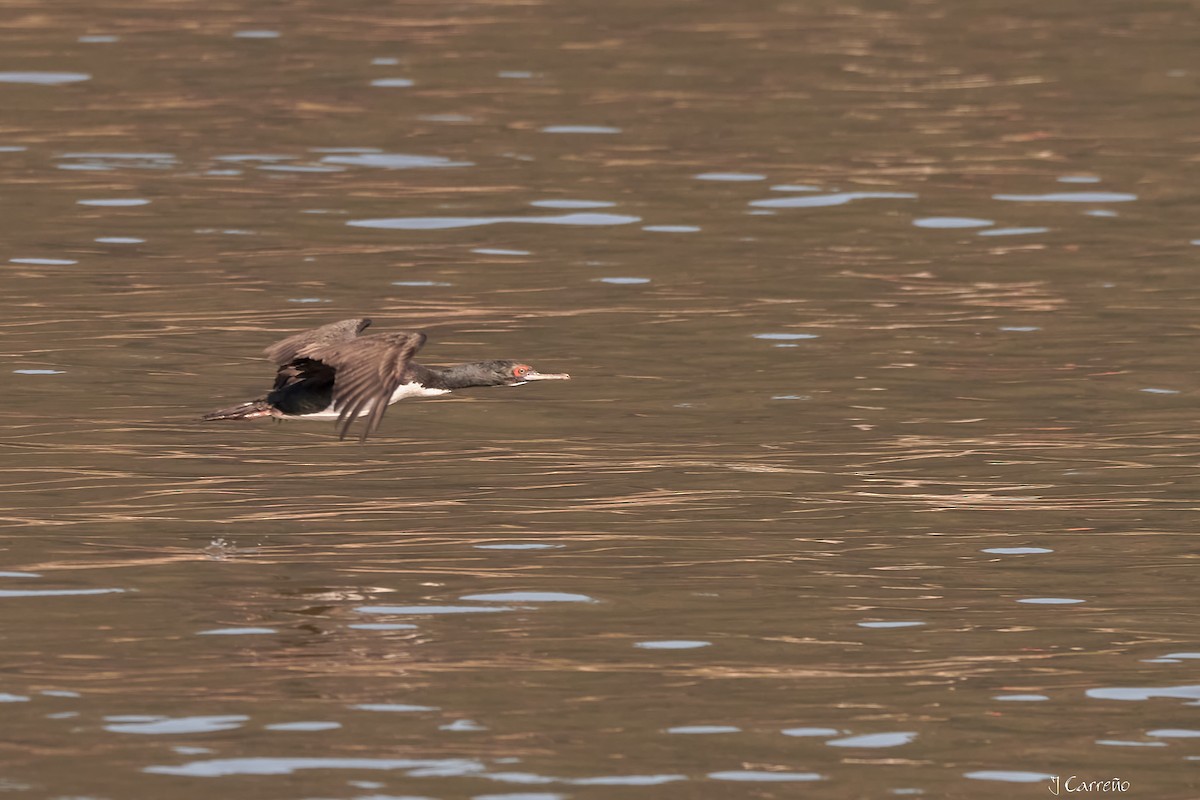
(1074, 783)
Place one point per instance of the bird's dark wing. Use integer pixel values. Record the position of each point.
(285, 351)
(369, 370)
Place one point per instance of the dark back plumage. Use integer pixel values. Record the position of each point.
(287, 349)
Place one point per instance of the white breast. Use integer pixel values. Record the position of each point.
(414, 390)
(403, 391)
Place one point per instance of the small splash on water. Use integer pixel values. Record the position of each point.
(219, 549)
(580, 129)
(953, 222)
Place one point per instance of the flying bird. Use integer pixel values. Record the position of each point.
(334, 372)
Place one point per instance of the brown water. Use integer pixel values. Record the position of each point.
(878, 475)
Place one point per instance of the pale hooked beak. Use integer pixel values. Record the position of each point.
(546, 376)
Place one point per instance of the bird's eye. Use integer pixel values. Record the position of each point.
(520, 371)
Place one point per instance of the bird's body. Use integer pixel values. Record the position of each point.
(333, 372)
(403, 392)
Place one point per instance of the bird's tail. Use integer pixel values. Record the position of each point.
(255, 408)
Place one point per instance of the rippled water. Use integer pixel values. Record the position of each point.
(877, 474)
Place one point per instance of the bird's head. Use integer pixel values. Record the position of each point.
(515, 373)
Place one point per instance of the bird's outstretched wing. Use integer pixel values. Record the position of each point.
(285, 351)
(368, 372)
